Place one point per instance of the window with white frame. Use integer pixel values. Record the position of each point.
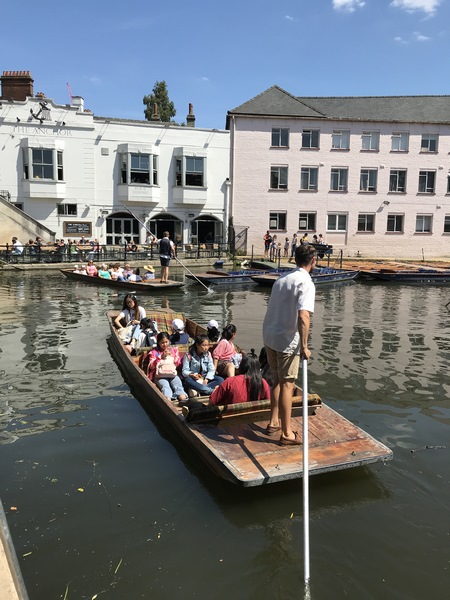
(190, 171)
(340, 140)
(370, 140)
(395, 223)
(423, 223)
(45, 163)
(368, 180)
(307, 221)
(310, 138)
(337, 222)
(366, 222)
(309, 177)
(277, 221)
(397, 180)
(339, 179)
(280, 138)
(278, 177)
(447, 224)
(429, 142)
(400, 142)
(139, 168)
(64, 210)
(427, 181)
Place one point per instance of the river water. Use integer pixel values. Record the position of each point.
(101, 503)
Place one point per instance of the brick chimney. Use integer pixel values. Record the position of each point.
(155, 114)
(16, 85)
(190, 118)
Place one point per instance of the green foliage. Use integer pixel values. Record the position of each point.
(159, 96)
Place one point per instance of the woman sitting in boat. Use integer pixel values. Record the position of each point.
(225, 356)
(131, 313)
(213, 332)
(103, 272)
(249, 386)
(149, 273)
(163, 361)
(127, 271)
(198, 369)
(91, 269)
(179, 336)
(116, 272)
(135, 275)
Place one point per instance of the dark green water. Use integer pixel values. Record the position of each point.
(151, 523)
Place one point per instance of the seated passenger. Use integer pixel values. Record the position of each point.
(179, 336)
(116, 272)
(213, 331)
(127, 271)
(131, 313)
(145, 333)
(163, 362)
(135, 276)
(198, 369)
(225, 352)
(103, 272)
(91, 269)
(249, 386)
(80, 271)
(149, 273)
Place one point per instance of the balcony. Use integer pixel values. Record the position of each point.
(190, 195)
(138, 193)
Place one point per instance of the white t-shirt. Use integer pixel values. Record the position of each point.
(291, 292)
(130, 316)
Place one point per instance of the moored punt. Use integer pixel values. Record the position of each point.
(136, 286)
(319, 276)
(421, 276)
(231, 277)
(232, 441)
(11, 582)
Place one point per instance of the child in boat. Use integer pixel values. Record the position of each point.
(198, 368)
(145, 333)
(249, 386)
(162, 365)
(213, 332)
(179, 336)
(225, 356)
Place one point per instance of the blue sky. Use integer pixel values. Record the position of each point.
(218, 55)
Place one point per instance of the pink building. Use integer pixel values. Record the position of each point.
(372, 174)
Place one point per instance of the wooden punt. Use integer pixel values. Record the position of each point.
(216, 277)
(417, 276)
(319, 276)
(234, 445)
(135, 286)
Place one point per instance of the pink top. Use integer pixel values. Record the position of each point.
(91, 270)
(224, 350)
(155, 357)
(235, 390)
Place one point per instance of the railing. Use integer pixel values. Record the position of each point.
(74, 253)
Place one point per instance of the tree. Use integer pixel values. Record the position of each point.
(159, 96)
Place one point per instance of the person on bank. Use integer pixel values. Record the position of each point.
(285, 335)
(164, 359)
(224, 354)
(131, 313)
(166, 252)
(249, 386)
(198, 368)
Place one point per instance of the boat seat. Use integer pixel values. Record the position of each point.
(164, 320)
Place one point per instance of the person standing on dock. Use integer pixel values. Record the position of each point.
(285, 336)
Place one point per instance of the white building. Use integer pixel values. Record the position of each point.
(77, 173)
(372, 174)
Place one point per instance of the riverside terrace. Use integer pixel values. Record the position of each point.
(52, 253)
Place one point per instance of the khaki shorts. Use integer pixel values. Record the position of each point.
(285, 367)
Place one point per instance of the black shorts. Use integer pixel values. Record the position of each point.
(165, 262)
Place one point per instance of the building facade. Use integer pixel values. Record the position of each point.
(371, 174)
(107, 178)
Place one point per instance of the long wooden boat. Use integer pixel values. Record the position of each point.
(12, 585)
(319, 276)
(217, 277)
(232, 441)
(420, 276)
(151, 286)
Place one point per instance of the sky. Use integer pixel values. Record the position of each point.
(217, 55)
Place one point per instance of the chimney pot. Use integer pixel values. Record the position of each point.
(190, 119)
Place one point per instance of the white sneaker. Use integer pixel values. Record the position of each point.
(193, 393)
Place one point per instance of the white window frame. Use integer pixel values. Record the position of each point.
(307, 221)
(183, 171)
(340, 139)
(424, 224)
(275, 216)
(400, 141)
(339, 178)
(370, 141)
(368, 180)
(283, 173)
(311, 139)
(280, 132)
(396, 189)
(340, 222)
(307, 176)
(397, 221)
(427, 182)
(49, 169)
(366, 222)
(429, 142)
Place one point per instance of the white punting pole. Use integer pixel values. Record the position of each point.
(305, 472)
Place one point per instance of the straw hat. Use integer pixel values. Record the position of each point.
(149, 268)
